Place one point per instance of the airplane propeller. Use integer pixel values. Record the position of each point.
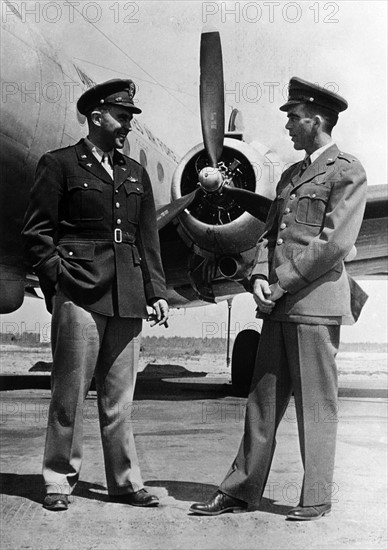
(257, 205)
(212, 95)
(166, 214)
(213, 180)
(212, 107)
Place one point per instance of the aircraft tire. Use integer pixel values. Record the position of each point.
(243, 359)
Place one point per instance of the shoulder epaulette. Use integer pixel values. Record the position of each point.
(347, 157)
(60, 149)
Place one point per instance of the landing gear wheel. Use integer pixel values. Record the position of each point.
(243, 359)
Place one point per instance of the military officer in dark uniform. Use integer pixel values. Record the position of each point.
(90, 233)
(302, 291)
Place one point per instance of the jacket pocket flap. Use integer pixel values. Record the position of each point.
(133, 187)
(77, 251)
(76, 182)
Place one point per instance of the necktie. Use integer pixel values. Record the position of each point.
(305, 164)
(106, 163)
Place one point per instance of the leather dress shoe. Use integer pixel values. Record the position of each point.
(218, 504)
(309, 513)
(140, 498)
(56, 502)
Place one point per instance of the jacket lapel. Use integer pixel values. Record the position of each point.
(317, 169)
(121, 168)
(88, 162)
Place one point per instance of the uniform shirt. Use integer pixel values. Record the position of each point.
(319, 151)
(99, 155)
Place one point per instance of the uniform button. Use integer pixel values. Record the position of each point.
(85, 184)
(287, 210)
(283, 226)
(71, 253)
(117, 205)
(116, 191)
(118, 222)
(292, 197)
(279, 241)
(313, 195)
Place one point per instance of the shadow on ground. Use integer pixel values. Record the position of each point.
(154, 382)
(188, 491)
(169, 382)
(30, 487)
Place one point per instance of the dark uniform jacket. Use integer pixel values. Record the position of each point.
(95, 237)
(312, 225)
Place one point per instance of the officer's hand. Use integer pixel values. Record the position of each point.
(276, 292)
(261, 294)
(158, 313)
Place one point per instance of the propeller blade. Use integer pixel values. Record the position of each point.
(166, 214)
(212, 95)
(257, 205)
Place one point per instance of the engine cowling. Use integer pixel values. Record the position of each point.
(214, 223)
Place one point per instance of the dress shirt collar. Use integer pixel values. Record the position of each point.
(97, 152)
(319, 151)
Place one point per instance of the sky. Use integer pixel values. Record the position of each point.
(340, 45)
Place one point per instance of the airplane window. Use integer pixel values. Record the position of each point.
(127, 148)
(160, 171)
(143, 158)
(81, 119)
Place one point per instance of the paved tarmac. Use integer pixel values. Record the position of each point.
(187, 432)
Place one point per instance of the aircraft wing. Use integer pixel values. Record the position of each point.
(372, 249)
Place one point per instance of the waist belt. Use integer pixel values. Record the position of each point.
(117, 236)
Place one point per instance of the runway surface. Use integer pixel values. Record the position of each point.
(187, 432)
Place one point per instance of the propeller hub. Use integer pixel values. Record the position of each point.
(210, 179)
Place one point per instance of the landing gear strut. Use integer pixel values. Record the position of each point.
(243, 359)
(243, 355)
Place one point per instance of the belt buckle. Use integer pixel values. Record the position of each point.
(118, 235)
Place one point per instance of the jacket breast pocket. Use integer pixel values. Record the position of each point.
(134, 192)
(311, 208)
(85, 199)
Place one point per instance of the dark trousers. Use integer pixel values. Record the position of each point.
(297, 358)
(86, 344)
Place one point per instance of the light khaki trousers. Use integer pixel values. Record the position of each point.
(86, 344)
(295, 358)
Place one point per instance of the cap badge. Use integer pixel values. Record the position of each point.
(131, 90)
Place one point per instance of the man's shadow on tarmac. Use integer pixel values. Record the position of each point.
(30, 487)
(189, 491)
